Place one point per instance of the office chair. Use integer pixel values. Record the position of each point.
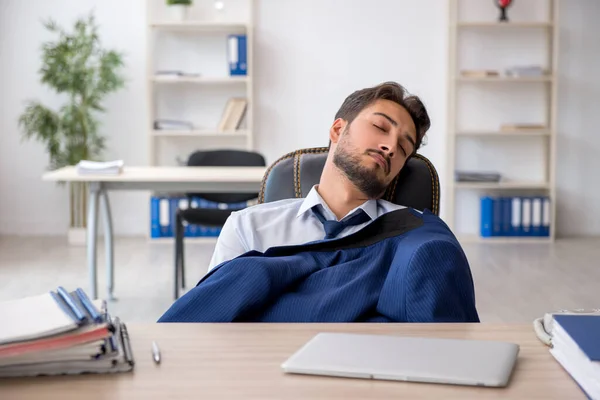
(293, 175)
(206, 216)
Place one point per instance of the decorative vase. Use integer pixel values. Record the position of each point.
(178, 12)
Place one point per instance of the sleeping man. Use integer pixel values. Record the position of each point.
(342, 254)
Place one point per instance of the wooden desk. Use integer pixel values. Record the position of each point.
(242, 361)
(163, 179)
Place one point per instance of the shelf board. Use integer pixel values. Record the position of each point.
(503, 239)
(503, 25)
(543, 78)
(501, 185)
(516, 132)
(201, 79)
(198, 133)
(190, 240)
(200, 26)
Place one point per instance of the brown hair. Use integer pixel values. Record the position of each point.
(392, 91)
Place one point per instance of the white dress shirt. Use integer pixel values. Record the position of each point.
(282, 223)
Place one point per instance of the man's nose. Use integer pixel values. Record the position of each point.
(386, 149)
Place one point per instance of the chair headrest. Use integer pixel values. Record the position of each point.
(293, 175)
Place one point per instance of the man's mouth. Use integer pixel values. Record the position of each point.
(381, 161)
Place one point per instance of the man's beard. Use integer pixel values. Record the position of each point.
(349, 161)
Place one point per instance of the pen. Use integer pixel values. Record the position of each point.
(155, 353)
(125, 340)
(79, 316)
(88, 305)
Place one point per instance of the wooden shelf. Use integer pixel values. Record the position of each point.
(198, 133)
(501, 185)
(200, 26)
(503, 25)
(544, 78)
(518, 132)
(468, 239)
(201, 80)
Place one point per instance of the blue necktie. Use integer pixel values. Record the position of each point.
(333, 228)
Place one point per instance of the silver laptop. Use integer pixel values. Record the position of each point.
(450, 361)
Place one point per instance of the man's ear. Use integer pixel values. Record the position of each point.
(336, 130)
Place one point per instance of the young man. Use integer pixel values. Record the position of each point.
(341, 254)
(375, 131)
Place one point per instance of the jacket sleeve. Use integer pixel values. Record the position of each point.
(439, 285)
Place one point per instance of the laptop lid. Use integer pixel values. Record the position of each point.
(451, 361)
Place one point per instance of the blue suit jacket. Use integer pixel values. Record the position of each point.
(403, 267)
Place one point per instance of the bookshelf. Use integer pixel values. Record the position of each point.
(479, 104)
(196, 46)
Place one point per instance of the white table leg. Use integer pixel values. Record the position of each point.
(92, 234)
(108, 243)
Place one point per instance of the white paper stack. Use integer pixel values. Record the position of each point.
(85, 167)
(61, 333)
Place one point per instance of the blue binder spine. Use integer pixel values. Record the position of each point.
(506, 216)
(154, 217)
(486, 216)
(237, 55)
(536, 216)
(164, 218)
(497, 217)
(546, 216)
(515, 223)
(526, 216)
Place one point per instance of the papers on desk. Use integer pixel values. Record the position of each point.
(577, 348)
(85, 167)
(61, 333)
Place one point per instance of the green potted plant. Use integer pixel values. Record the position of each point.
(178, 9)
(78, 68)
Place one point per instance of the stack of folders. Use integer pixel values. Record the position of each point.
(515, 216)
(576, 347)
(86, 167)
(60, 333)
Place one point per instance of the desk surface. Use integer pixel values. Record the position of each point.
(163, 174)
(242, 361)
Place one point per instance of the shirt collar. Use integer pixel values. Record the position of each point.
(314, 198)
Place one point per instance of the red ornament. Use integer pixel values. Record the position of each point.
(503, 5)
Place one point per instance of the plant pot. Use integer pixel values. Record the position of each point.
(178, 12)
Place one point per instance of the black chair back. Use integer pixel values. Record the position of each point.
(225, 158)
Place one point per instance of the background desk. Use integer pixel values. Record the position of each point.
(162, 179)
(242, 361)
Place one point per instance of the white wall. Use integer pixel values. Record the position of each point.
(309, 55)
(578, 143)
(27, 205)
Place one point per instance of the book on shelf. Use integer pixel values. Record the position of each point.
(173, 125)
(519, 126)
(474, 176)
(176, 74)
(234, 113)
(525, 71)
(479, 73)
(61, 332)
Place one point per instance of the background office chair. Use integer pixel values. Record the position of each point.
(293, 175)
(210, 216)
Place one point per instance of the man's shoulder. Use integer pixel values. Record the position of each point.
(271, 207)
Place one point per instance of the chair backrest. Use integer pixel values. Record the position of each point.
(226, 158)
(293, 175)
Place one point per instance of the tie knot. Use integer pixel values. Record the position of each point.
(333, 228)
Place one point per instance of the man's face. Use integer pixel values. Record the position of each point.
(372, 150)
